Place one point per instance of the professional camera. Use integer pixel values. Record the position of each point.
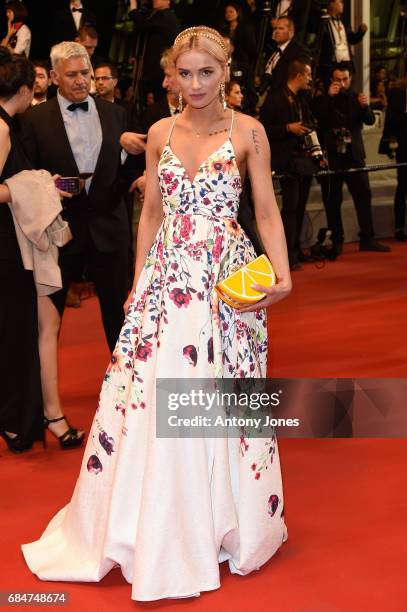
(343, 139)
(310, 144)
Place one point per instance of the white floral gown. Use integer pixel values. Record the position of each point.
(167, 511)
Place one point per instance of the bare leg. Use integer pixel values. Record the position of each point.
(49, 323)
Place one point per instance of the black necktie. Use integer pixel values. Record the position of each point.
(82, 105)
(77, 10)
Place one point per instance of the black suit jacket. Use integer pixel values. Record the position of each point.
(275, 116)
(63, 25)
(395, 125)
(293, 51)
(101, 212)
(342, 110)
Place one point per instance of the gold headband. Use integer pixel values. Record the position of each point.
(194, 31)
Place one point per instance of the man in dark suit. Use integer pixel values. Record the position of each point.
(336, 42)
(72, 134)
(341, 114)
(286, 119)
(287, 49)
(395, 130)
(68, 20)
(158, 28)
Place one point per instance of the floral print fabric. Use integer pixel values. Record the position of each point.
(168, 510)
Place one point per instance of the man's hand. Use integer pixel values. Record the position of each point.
(363, 28)
(334, 89)
(140, 185)
(297, 128)
(363, 99)
(62, 194)
(133, 143)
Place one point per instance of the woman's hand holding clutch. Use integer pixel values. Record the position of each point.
(274, 294)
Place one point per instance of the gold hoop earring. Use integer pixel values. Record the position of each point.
(222, 95)
(180, 105)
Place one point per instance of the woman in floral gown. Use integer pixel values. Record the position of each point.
(168, 511)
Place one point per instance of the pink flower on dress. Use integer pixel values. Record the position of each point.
(186, 227)
(180, 298)
(167, 176)
(217, 249)
(144, 351)
(171, 188)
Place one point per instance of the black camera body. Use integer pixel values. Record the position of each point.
(343, 139)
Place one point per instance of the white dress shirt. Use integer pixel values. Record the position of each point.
(341, 42)
(275, 57)
(77, 16)
(84, 134)
(282, 8)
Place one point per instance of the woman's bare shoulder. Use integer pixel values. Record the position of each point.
(161, 127)
(159, 132)
(246, 123)
(4, 129)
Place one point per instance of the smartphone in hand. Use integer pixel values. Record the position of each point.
(70, 184)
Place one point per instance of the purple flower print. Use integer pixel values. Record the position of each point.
(191, 354)
(106, 442)
(94, 465)
(210, 350)
(272, 504)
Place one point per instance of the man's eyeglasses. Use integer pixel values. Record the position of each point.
(103, 78)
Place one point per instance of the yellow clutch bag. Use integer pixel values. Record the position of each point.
(236, 289)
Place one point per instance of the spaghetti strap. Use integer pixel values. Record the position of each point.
(231, 124)
(172, 127)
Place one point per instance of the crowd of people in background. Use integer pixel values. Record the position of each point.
(84, 123)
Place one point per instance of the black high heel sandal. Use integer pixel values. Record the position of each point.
(15, 445)
(69, 439)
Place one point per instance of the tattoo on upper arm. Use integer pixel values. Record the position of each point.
(256, 141)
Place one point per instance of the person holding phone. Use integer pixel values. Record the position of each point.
(71, 134)
(21, 406)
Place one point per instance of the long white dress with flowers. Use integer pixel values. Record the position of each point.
(167, 511)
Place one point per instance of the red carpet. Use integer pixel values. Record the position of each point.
(346, 500)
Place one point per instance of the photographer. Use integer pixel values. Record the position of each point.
(295, 151)
(341, 114)
(156, 26)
